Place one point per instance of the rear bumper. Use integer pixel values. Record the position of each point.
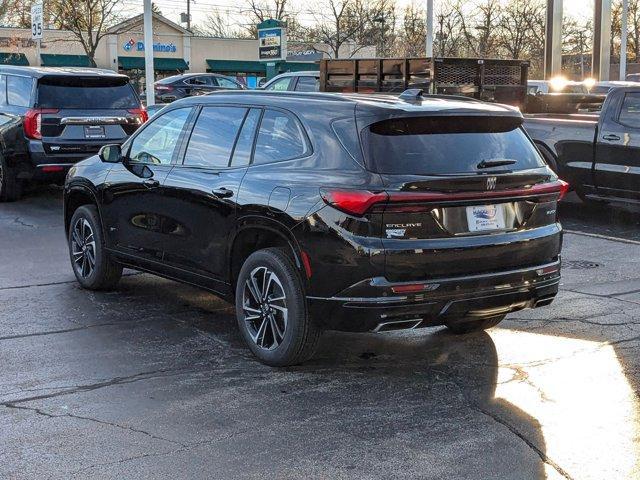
(371, 303)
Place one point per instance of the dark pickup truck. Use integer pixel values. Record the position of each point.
(598, 154)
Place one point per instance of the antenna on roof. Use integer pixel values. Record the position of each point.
(412, 94)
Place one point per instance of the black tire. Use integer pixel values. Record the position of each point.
(261, 322)
(105, 273)
(468, 326)
(10, 186)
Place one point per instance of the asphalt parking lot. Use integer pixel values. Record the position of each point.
(152, 380)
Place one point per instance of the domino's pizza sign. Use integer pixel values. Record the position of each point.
(272, 44)
(131, 44)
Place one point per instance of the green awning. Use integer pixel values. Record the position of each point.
(14, 59)
(53, 60)
(236, 66)
(159, 64)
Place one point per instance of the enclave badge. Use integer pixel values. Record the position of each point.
(491, 183)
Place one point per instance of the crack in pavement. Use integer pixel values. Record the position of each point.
(63, 282)
(68, 330)
(543, 456)
(160, 373)
(24, 224)
(598, 295)
(41, 412)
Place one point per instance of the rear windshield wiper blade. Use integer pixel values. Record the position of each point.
(495, 163)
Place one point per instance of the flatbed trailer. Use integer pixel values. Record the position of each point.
(503, 81)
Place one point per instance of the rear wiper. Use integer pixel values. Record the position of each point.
(495, 163)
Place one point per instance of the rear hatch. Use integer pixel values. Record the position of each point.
(465, 195)
(77, 114)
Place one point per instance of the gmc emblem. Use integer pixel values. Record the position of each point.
(491, 183)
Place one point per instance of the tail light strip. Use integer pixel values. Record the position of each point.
(358, 202)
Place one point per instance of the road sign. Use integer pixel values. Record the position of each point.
(272, 44)
(36, 21)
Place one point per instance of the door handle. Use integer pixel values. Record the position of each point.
(611, 137)
(222, 192)
(151, 183)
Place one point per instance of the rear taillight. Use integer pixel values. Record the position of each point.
(33, 122)
(564, 189)
(163, 88)
(353, 202)
(359, 202)
(141, 113)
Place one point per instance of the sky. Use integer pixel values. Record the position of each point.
(233, 8)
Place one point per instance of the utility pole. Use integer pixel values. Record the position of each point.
(188, 14)
(623, 40)
(429, 32)
(148, 53)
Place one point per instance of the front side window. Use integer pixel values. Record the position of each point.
(280, 85)
(19, 91)
(630, 113)
(157, 142)
(280, 138)
(213, 137)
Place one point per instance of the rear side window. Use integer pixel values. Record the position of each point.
(630, 113)
(308, 84)
(280, 138)
(446, 145)
(244, 145)
(86, 93)
(213, 137)
(280, 85)
(19, 91)
(226, 83)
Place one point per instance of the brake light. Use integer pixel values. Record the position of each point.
(32, 124)
(358, 202)
(564, 189)
(353, 202)
(141, 113)
(163, 88)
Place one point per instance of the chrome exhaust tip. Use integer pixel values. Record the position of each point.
(397, 325)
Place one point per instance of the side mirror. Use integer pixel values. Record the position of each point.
(110, 153)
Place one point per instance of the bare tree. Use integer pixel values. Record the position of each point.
(87, 20)
(519, 26)
(412, 36)
(338, 22)
(448, 34)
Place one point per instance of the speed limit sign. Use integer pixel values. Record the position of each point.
(36, 21)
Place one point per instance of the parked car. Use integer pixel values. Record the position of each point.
(598, 154)
(603, 88)
(316, 211)
(557, 85)
(50, 118)
(175, 87)
(153, 109)
(633, 77)
(307, 81)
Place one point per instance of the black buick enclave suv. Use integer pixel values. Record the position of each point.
(324, 211)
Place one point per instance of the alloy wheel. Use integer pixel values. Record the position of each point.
(83, 248)
(264, 304)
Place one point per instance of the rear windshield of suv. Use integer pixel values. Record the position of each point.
(446, 145)
(86, 93)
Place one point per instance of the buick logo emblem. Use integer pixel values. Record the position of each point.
(491, 183)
